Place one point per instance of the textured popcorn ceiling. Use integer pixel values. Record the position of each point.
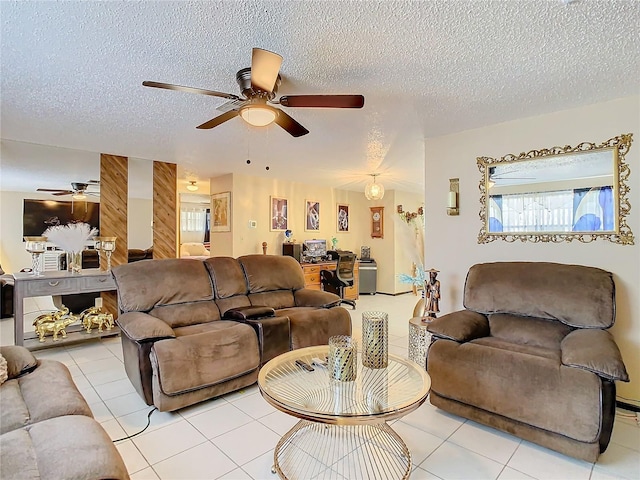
(71, 76)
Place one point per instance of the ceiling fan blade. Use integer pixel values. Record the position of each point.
(68, 192)
(180, 88)
(323, 101)
(51, 190)
(289, 124)
(214, 122)
(265, 66)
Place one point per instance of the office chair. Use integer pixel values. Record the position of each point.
(336, 282)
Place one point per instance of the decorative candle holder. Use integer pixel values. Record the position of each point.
(375, 339)
(36, 246)
(343, 358)
(106, 245)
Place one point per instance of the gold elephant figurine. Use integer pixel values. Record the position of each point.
(93, 317)
(52, 316)
(56, 327)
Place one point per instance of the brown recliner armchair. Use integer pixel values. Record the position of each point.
(530, 354)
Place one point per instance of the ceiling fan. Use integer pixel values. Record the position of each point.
(78, 190)
(505, 176)
(259, 85)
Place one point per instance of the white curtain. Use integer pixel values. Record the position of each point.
(538, 212)
(193, 221)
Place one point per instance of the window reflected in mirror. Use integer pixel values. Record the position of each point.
(557, 194)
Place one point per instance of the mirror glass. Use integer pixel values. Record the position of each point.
(557, 194)
(195, 225)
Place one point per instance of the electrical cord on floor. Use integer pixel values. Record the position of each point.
(138, 433)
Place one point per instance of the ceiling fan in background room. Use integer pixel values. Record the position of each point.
(259, 85)
(504, 177)
(79, 190)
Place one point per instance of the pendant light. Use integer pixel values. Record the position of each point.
(373, 190)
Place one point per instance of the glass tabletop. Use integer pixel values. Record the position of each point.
(376, 395)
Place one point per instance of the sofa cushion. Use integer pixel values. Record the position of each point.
(69, 447)
(538, 332)
(596, 351)
(532, 389)
(148, 284)
(272, 272)
(227, 275)
(45, 393)
(192, 313)
(275, 299)
(313, 326)
(19, 360)
(460, 326)
(196, 360)
(576, 295)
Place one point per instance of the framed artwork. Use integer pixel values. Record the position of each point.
(279, 214)
(221, 212)
(343, 218)
(312, 216)
(377, 222)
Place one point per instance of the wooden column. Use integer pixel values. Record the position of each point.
(114, 193)
(165, 206)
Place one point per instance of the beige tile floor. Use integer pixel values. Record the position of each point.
(232, 437)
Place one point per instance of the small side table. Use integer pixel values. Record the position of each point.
(419, 341)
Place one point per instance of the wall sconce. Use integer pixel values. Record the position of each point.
(452, 199)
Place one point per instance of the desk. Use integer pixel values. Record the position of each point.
(312, 277)
(57, 283)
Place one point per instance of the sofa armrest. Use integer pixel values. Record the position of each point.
(306, 297)
(142, 327)
(274, 335)
(461, 326)
(250, 312)
(596, 351)
(19, 360)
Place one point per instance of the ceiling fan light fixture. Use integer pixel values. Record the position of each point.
(79, 196)
(192, 187)
(258, 115)
(373, 190)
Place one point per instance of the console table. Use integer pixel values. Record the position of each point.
(312, 277)
(57, 283)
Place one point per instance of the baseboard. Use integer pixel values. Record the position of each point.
(627, 406)
(394, 294)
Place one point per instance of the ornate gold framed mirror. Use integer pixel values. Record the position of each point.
(558, 194)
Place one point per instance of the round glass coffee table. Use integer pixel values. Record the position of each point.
(343, 431)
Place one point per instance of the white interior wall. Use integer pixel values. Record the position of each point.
(452, 240)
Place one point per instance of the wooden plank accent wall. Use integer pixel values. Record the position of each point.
(165, 207)
(114, 193)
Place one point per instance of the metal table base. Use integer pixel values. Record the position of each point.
(350, 451)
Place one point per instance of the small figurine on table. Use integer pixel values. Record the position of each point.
(432, 294)
(334, 243)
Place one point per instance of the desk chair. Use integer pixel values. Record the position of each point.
(335, 282)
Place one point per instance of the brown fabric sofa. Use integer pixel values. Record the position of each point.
(47, 430)
(530, 354)
(193, 329)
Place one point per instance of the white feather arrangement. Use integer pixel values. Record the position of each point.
(71, 237)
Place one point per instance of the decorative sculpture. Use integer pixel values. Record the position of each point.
(432, 294)
(93, 317)
(51, 316)
(56, 327)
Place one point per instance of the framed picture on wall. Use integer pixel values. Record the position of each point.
(312, 216)
(343, 218)
(279, 214)
(221, 212)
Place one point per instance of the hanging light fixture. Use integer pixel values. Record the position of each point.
(258, 113)
(373, 190)
(192, 187)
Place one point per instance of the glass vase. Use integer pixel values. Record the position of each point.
(375, 339)
(74, 262)
(36, 247)
(343, 358)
